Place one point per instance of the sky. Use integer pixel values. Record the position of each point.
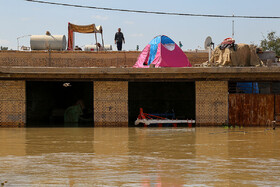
(20, 18)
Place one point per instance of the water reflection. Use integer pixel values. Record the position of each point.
(12, 142)
(139, 156)
(59, 140)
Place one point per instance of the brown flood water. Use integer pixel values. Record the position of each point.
(139, 157)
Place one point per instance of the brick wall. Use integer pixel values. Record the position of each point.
(12, 103)
(79, 58)
(211, 102)
(110, 103)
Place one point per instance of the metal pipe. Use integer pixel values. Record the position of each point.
(96, 41)
(19, 38)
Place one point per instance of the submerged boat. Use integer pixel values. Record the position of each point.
(148, 119)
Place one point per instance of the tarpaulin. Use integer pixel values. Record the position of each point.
(81, 29)
(85, 28)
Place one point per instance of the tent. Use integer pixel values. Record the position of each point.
(162, 52)
(82, 29)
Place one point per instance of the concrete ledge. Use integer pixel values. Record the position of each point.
(194, 73)
(114, 70)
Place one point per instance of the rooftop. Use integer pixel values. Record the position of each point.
(81, 65)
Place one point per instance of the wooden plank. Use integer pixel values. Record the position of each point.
(277, 104)
(277, 108)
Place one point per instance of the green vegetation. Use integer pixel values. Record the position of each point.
(3, 48)
(271, 43)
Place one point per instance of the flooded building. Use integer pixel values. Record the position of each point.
(37, 87)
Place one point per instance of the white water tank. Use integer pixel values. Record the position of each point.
(90, 48)
(108, 47)
(94, 48)
(46, 42)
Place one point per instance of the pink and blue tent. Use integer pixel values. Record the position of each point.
(162, 52)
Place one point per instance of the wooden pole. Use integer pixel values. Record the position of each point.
(102, 40)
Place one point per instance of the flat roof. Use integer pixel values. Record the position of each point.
(113, 65)
(138, 74)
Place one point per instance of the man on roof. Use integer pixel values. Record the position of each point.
(119, 39)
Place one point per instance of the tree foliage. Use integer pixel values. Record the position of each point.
(271, 43)
(3, 48)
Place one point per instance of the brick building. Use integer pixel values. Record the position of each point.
(32, 90)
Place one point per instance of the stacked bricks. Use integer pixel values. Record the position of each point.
(211, 102)
(80, 58)
(197, 58)
(110, 103)
(12, 103)
(67, 59)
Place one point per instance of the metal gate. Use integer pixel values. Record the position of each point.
(253, 109)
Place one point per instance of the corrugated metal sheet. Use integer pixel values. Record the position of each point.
(251, 109)
(277, 108)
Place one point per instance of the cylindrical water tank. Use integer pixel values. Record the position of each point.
(107, 47)
(46, 42)
(94, 48)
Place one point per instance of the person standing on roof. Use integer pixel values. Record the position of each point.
(119, 39)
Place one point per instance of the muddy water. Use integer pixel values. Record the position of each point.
(139, 157)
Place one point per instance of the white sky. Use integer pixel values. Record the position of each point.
(20, 18)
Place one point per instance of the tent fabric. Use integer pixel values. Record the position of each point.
(81, 29)
(153, 52)
(154, 46)
(162, 52)
(85, 28)
(145, 55)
